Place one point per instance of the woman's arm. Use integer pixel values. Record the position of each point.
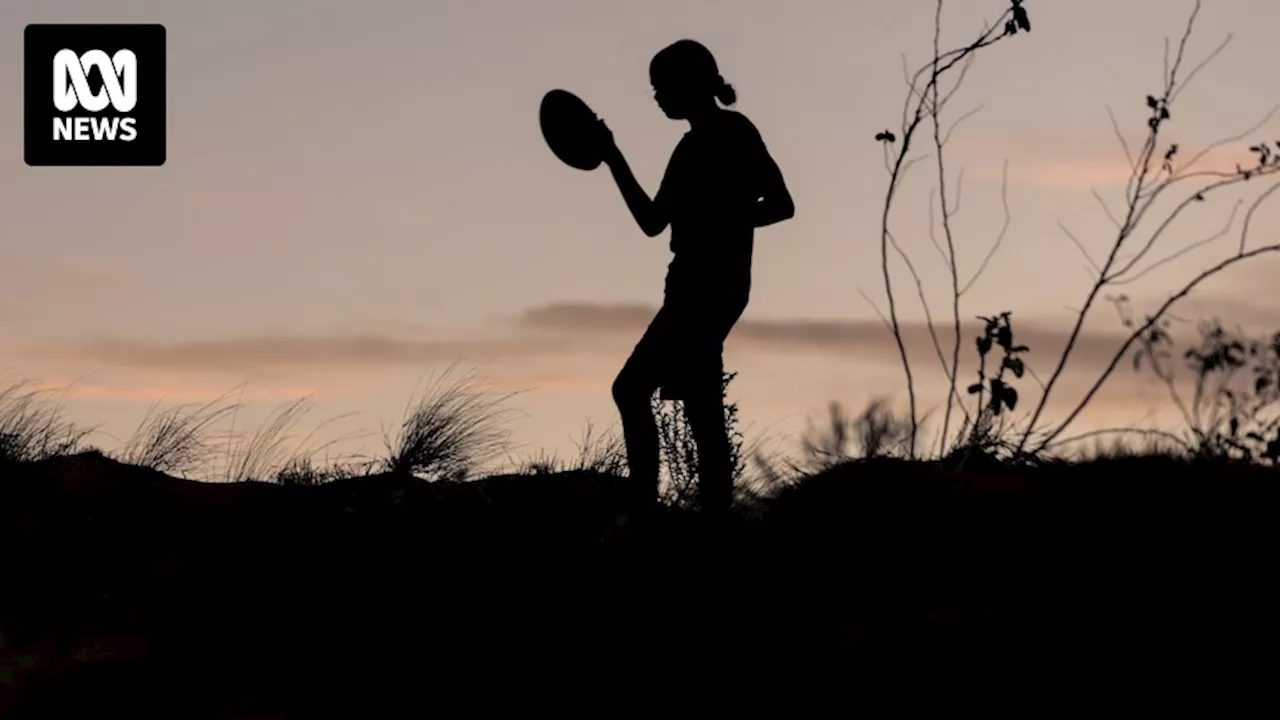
(775, 203)
(650, 215)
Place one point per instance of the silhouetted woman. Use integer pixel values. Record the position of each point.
(720, 184)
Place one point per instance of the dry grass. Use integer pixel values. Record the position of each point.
(32, 426)
(602, 452)
(183, 441)
(176, 441)
(450, 432)
(267, 452)
(455, 427)
(305, 470)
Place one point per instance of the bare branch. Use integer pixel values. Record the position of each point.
(964, 71)
(928, 314)
(1181, 172)
(1198, 244)
(1162, 373)
(1124, 144)
(1163, 434)
(910, 164)
(873, 305)
(1191, 75)
(1166, 57)
(1186, 290)
(912, 93)
(1079, 246)
(1248, 217)
(955, 209)
(952, 371)
(1199, 196)
(1105, 209)
(941, 63)
(1004, 229)
(1171, 76)
(1035, 376)
(947, 137)
(933, 235)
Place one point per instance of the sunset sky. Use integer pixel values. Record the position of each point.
(357, 193)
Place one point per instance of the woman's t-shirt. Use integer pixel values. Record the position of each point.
(711, 188)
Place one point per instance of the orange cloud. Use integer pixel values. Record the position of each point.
(1072, 173)
(1066, 167)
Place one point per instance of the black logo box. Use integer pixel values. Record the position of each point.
(42, 42)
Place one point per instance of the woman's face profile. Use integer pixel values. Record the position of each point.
(672, 95)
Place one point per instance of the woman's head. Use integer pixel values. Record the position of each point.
(686, 79)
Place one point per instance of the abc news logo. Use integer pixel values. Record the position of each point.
(71, 90)
(107, 105)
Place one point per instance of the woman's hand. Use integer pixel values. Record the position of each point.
(605, 142)
(650, 215)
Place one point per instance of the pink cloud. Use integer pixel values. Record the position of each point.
(1062, 166)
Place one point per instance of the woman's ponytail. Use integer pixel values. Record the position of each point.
(726, 94)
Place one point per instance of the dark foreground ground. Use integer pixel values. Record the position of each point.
(870, 591)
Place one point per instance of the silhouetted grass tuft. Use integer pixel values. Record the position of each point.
(266, 453)
(450, 432)
(304, 470)
(604, 452)
(175, 441)
(32, 426)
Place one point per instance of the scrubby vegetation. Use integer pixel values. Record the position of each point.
(359, 587)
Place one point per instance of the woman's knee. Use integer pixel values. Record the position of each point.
(630, 394)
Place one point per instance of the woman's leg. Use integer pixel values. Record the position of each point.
(704, 409)
(633, 393)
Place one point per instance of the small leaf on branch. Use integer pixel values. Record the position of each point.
(1020, 16)
(1015, 366)
(975, 388)
(1004, 337)
(1010, 397)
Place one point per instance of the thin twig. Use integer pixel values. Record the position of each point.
(1079, 246)
(953, 370)
(1120, 431)
(1200, 243)
(1147, 326)
(1004, 229)
(942, 62)
(1124, 144)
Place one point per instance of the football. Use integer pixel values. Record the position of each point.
(570, 130)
